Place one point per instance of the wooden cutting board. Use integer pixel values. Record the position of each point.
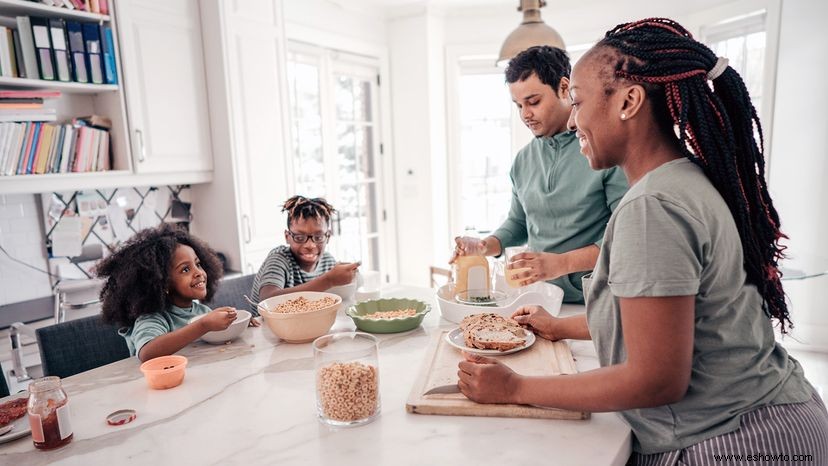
(440, 368)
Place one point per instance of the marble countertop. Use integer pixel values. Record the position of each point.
(253, 402)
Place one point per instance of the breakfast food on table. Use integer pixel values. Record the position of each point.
(348, 391)
(302, 304)
(411, 312)
(11, 410)
(491, 331)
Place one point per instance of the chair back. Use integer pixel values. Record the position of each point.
(438, 276)
(4, 387)
(231, 292)
(69, 348)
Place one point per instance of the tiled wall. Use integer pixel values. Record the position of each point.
(26, 220)
(21, 235)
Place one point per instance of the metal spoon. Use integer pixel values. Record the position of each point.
(258, 306)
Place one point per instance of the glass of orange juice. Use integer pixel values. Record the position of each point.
(509, 274)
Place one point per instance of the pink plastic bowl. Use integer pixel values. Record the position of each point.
(165, 371)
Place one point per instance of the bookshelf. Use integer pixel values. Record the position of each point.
(24, 8)
(160, 131)
(65, 87)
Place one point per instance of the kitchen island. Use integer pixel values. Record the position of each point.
(252, 402)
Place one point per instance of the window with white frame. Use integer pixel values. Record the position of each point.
(742, 40)
(335, 141)
(486, 134)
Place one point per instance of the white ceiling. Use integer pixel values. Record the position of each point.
(686, 5)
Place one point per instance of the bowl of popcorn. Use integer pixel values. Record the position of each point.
(388, 315)
(302, 316)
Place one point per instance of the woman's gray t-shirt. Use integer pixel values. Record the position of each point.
(673, 235)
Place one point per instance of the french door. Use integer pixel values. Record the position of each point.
(336, 146)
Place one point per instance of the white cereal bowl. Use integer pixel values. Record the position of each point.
(219, 337)
(346, 292)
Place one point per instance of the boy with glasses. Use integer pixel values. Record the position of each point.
(303, 264)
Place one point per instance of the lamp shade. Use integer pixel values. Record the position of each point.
(531, 32)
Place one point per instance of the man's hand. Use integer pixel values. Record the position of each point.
(468, 246)
(541, 266)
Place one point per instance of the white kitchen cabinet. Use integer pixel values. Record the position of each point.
(165, 84)
(239, 213)
(160, 120)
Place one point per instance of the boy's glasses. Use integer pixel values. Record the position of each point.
(302, 239)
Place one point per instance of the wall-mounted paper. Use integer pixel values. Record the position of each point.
(67, 238)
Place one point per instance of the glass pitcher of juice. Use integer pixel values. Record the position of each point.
(471, 273)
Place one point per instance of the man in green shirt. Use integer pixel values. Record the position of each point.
(560, 207)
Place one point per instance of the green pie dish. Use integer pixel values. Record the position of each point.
(392, 325)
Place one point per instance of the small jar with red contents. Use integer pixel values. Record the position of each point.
(49, 416)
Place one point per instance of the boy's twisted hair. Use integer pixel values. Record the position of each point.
(715, 126)
(302, 207)
(137, 274)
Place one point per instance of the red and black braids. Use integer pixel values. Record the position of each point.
(715, 126)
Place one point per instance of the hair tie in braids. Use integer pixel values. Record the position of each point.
(715, 126)
(718, 68)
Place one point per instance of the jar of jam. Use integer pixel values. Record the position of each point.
(49, 416)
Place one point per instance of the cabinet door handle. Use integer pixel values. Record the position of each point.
(247, 235)
(142, 153)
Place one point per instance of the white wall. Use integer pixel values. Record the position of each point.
(409, 62)
(349, 19)
(799, 165)
(21, 235)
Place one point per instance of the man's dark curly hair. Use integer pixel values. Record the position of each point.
(138, 273)
(549, 63)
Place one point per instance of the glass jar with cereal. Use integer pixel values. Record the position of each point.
(347, 378)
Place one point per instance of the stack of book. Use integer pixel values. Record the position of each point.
(92, 6)
(57, 50)
(37, 148)
(26, 106)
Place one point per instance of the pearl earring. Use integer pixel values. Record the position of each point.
(623, 116)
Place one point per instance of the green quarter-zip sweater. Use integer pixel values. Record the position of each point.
(559, 203)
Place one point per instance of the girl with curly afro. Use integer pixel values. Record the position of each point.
(155, 284)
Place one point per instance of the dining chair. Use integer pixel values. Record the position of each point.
(436, 272)
(231, 292)
(79, 345)
(4, 387)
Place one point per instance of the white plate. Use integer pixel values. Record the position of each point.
(21, 429)
(455, 339)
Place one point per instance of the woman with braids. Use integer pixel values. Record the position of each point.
(680, 303)
(154, 285)
(302, 265)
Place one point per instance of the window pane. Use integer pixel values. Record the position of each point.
(344, 98)
(308, 161)
(362, 96)
(346, 142)
(485, 151)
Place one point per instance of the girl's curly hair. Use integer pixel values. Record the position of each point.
(137, 274)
